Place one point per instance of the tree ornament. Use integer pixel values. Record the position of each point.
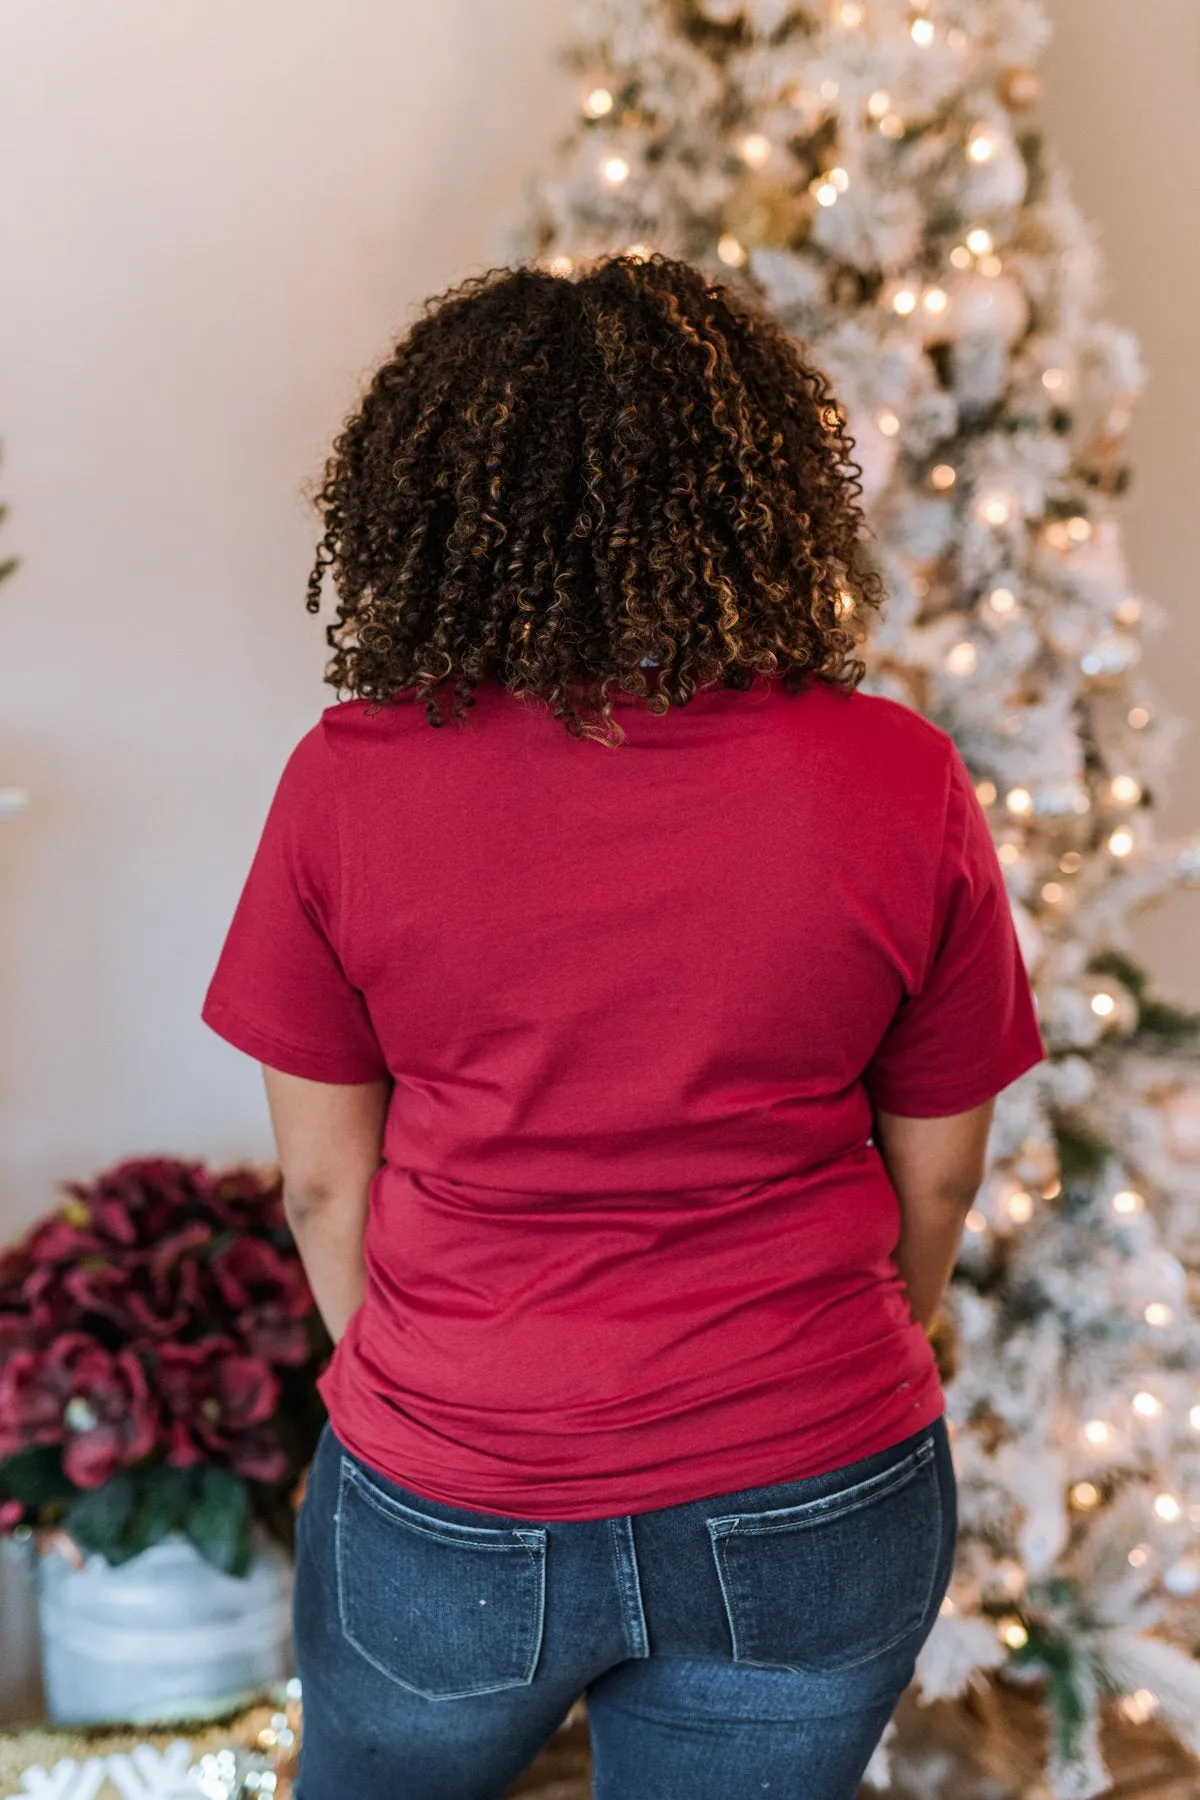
(982, 305)
(1020, 88)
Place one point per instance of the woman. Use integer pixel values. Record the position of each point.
(630, 1043)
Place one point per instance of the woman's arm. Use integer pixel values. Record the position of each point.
(330, 1143)
(936, 1166)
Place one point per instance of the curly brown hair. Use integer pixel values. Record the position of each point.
(628, 481)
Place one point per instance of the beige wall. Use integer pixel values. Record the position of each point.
(214, 213)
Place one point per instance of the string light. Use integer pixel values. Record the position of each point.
(560, 265)
(961, 658)
(991, 266)
(1054, 379)
(1139, 718)
(830, 90)
(976, 1222)
(1129, 611)
(825, 192)
(1002, 600)
(1013, 1633)
(1052, 1189)
(638, 252)
(1139, 1555)
(731, 251)
(879, 105)
(1194, 1418)
(1158, 1313)
(892, 126)
(904, 301)
(1085, 1495)
(979, 241)
(1139, 1706)
(1168, 1508)
(1104, 1005)
(996, 509)
(935, 300)
(1146, 1405)
(943, 477)
(1121, 842)
(1009, 853)
(1079, 530)
(598, 103)
(985, 793)
(947, 1608)
(755, 149)
(981, 145)
(850, 14)
(960, 256)
(1052, 893)
(1125, 790)
(1096, 1431)
(1019, 800)
(888, 422)
(1127, 1202)
(1071, 862)
(615, 170)
(1019, 1206)
(923, 32)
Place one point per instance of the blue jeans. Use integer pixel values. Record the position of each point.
(751, 1644)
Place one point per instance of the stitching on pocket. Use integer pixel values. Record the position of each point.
(349, 1476)
(826, 1506)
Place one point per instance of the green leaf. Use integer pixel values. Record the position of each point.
(35, 1477)
(217, 1521)
(162, 1497)
(100, 1519)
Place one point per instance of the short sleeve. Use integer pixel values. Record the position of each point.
(971, 1027)
(279, 991)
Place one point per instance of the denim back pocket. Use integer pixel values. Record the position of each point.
(832, 1582)
(443, 1609)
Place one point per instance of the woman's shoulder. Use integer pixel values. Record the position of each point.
(877, 724)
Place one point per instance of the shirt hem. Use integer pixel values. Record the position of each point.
(289, 1059)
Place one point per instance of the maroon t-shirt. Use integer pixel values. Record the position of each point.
(631, 1243)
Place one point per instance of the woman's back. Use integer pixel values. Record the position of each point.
(631, 1244)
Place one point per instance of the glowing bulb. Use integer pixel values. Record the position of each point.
(985, 793)
(1096, 1431)
(1013, 1633)
(892, 126)
(1002, 599)
(904, 302)
(1125, 790)
(923, 32)
(879, 105)
(560, 265)
(991, 266)
(1019, 800)
(935, 300)
(1139, 718)
(840, 179)
(1194, 1418)
(1052, 1189)
(826, 193)
(1085, 1495)
(615, 170)
(1139, 1556)
(1129, 611)
(638, 252)
(1104, 1005)
(1147, 1406)
(1052, 893)
(830, 90)
(850, 14)
(1126, 1202)
(1167, 1507)
(981, 145)
(979, 241)
(731, 251)
(1121, 842)
(598, 103)
(1054, 379)
(947, 1608)
(1079, 530)
(1009, 853)
(977, 1222)
(1158, 1313)
(996, 509)
(1071, 863)
(888, 423)
(1019, 1206)
(961, 658)
(756, 149)
(1139, 1706)
(960, 256)
(943, 477)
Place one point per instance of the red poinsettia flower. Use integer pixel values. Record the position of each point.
(75, 1393)
(268, 1296)
(218, 1401)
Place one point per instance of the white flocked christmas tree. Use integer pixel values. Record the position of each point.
(872, 168)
